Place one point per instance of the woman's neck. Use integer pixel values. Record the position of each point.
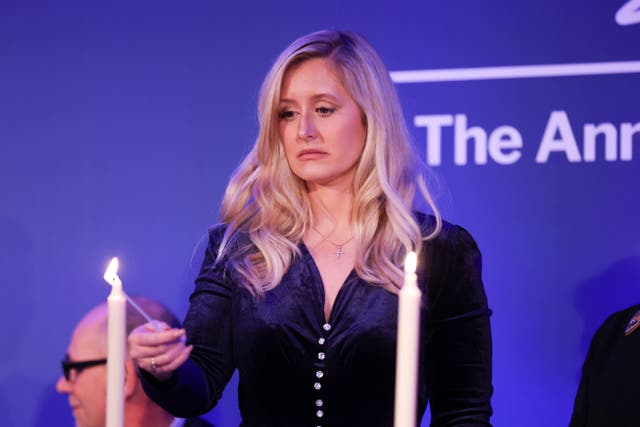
(331, 209)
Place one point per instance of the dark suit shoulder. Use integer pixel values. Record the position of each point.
(612, 329)
(620, 318)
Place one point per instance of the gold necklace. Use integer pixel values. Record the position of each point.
(338, 246)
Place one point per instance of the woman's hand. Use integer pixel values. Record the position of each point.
(158, 349)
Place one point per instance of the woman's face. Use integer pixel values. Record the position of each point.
(320, 125)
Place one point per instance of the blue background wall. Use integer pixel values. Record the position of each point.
(121, 122)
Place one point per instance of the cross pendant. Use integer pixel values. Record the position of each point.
(339, 252)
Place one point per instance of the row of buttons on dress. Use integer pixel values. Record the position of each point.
(320, 373)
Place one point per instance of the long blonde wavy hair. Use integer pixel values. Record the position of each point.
(268, 203)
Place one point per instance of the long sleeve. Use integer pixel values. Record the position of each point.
(458, 349)
(199, 382)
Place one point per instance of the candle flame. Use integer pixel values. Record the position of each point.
(410, 262)
(111, 273)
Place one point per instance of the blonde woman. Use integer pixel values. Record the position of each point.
(298, 288)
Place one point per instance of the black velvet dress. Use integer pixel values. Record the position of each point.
(297, 368)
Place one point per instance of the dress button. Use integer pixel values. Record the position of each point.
(319, 374)
(321, 356)
(317, 386)
(321, 341)
(319, 403)
(319, 413)
(326, 327)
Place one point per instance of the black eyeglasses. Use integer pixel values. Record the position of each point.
(68, 365)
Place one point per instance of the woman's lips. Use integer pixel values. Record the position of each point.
(312, 154)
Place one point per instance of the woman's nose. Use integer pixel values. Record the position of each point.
(306, 128)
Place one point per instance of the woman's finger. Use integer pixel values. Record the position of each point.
(180, 358)
(168, 354)
(157, 326)
(144, 343)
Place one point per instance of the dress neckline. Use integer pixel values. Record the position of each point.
(311, 262)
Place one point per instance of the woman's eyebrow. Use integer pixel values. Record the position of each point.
(315, 97)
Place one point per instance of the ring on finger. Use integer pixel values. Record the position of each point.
(153, 364)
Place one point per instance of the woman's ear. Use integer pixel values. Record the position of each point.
(131, 382)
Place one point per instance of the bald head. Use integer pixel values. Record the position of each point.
(154, 309)
(86, 387)
(91, 332)
(94, 323)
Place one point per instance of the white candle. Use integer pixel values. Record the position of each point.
(116, 345)
(409, 301)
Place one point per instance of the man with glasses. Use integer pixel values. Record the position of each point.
(84, 370)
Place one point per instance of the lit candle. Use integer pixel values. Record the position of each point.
(111, 277)
(409, 301)
(116, 344)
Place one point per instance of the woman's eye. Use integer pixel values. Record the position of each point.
(286, 115)
(325, 111)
